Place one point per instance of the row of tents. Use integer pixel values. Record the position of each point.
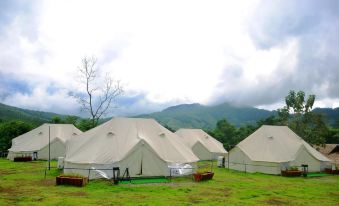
(148, 149)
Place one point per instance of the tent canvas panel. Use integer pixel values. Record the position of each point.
(202, 152)
(304, 157)
(273, 148)
(141, 161)
(142, 145)
(37, 140)
(240, 161)
(201, 143)
(12, 154)
(58, 149)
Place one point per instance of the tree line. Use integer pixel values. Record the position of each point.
(296, 114)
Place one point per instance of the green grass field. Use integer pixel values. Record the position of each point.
(24, 184)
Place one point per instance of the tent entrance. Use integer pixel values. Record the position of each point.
(144, 161)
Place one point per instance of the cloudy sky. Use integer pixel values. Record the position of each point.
(170, 52)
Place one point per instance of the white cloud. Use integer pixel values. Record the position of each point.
(169, 51)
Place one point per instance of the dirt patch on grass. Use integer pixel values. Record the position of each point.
(45, 183)
(275, 201)
(225, 191)
(333, 194)
(194, 199)
(9, 193)
(7, 172)
(7, 190)
(74, 194)
(78, 194)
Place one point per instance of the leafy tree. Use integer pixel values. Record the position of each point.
(271, 120)
(226, 133)
(85, 124)
(10, 130)
(229, 135)
(71, 119)
(169, 128)
(57, 120)
(336, 125)
(307, 124)
(332, 136)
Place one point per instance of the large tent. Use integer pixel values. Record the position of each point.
(204, 146)
(142, 145)
(36, 142)
(271, 149)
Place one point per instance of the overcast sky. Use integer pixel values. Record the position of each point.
(170, 52)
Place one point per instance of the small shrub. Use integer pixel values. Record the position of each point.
(293, 169)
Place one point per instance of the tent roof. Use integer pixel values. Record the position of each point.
(192, 136)
(115, 139)
(38, 138)
(275, 144)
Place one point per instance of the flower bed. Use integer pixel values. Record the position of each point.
(23, 159)
(291, 173)
(71, 180)
(203, 176)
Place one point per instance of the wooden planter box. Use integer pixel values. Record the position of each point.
(75, 181)
(330, 171)
(291, 173)
(23, 159)
(203, 176)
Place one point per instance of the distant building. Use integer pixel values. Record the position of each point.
(331, 151)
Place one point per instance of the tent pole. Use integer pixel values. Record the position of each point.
(49, 147)
(228, 160)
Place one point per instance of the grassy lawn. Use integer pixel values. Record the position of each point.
(24, 184)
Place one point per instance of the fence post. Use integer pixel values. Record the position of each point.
(89, 172)
(228, 161)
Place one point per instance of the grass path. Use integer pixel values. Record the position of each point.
(24, 184)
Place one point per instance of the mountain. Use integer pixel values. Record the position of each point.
(331, 115)
(183, 115)
(31, 116)
(200, 116)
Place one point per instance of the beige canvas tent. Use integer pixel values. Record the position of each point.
(204, 146)
(271, 149)
(36, 141)
(142, 145)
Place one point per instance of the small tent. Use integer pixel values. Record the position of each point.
(142, 145)
(271, 149)
(204, 146)
(36, 142)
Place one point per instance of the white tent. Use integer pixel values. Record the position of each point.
(142, 145)
(271, 149)
(37, 141)
(202, 144)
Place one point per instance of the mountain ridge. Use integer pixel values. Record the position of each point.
(178, 116)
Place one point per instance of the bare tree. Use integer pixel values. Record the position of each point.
(99, 97)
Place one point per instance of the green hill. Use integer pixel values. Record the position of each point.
(331, 115)
(200, 116)
(184, 115)
(34, 117)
